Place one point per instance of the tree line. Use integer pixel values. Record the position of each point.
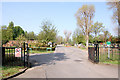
(89, 32)
(47, 33)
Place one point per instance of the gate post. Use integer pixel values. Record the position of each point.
(96, 53)
(3, 55)
(27, 55)
(24, 54)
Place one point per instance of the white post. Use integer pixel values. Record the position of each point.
(108, 51)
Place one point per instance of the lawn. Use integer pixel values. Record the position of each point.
(10, 70)
(40, 51)
(10, 65)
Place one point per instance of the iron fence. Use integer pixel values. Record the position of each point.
(9, 57)
(109, 53)
(102, 54)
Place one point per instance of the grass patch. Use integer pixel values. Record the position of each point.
(82, 48)
(111, 62)
(40, 51)
(10, 70)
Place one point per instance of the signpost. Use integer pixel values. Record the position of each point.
(108, 43)
(17, 52)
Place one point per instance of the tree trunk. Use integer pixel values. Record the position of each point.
(95, 37)
(87, 37)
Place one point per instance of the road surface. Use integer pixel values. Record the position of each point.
(67, 62)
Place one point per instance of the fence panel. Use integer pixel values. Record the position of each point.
(103, 54)
(113, 52)
(9, 58)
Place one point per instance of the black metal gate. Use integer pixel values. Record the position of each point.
(93, 53)
(9, 58)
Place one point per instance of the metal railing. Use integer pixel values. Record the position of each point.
(101, 54)
(9, 56)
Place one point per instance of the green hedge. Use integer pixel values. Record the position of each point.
(43, 48)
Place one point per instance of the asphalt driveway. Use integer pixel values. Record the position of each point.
(67, 62)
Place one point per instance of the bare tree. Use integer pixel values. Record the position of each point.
(115, 6)
(59, 39)
(84, 17)
(67, 35)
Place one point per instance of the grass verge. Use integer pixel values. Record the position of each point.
(111, 62)
(10, 70)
